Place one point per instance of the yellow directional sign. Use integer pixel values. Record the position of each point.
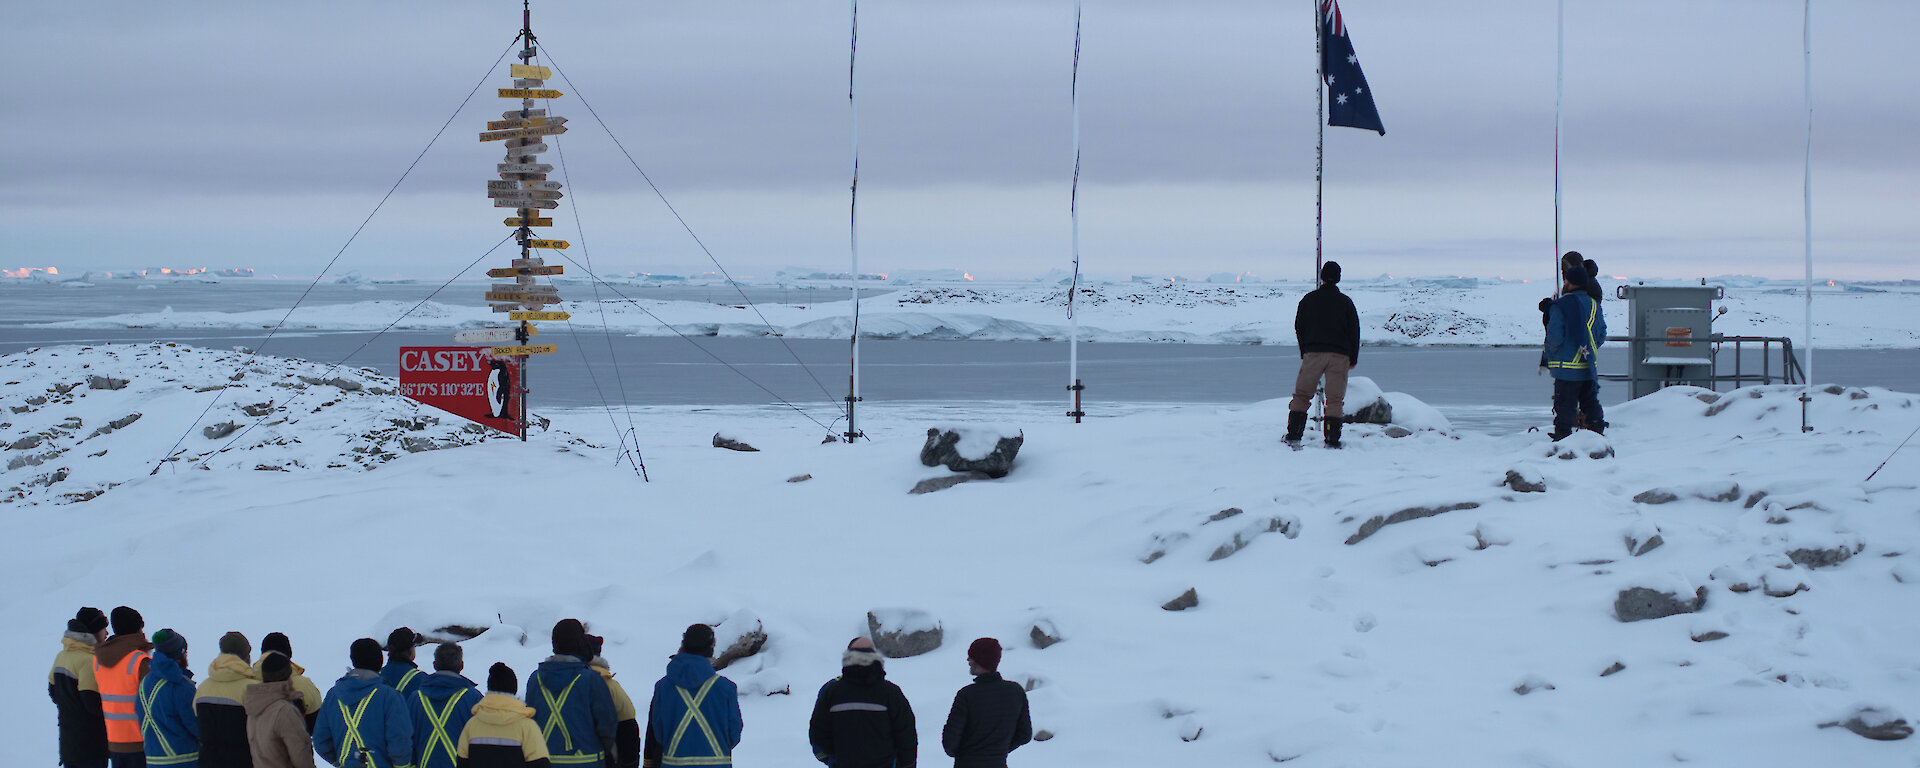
(519, 271)
(523, 298)
(521, 317)
(529, 93)
(530, 72)
(515, 221)
(530, 122)
(523, 133)
(557, 245)
(533, 349)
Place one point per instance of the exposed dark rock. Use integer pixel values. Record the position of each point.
(1755, 498)
(944, 482)
(722, 441)
(413, 444)
(1285, 526)
(1522, 484)
(1709, 636)
(1823, 558)
(1043, 735)
(1613, 669)
(1656, 496)
(257, 410)
(72, 423)
(901, 634)
(1532, 684)
(347, 385)
(1642, 603)
(1640, 547)
(942, 448)
(106, 382)
(799, 478)
(1874, 724)
(1224, 514)
(1187, 599)
(750, 641)
(1373, 526)
(27, 443)
(1377, 412)
(220, 430)
(1044, 633)
(453, 633)
(37, 400)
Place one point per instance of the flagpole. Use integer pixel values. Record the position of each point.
(853, 223)
(1559, 95)
(1806, 33)
(1073, 321)
(1320, 145)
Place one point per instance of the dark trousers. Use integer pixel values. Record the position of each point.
(127, 759)
(1581, 395)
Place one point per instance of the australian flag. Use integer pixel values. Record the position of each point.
(1349, 101)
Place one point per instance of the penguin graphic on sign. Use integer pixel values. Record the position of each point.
(500, 390)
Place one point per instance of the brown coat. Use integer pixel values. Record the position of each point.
(276, 730)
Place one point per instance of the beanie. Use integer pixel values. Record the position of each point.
(400, 642)
(235, 644)
(986, 653)
(276, 642)
(170, 644)
(449, 658)
(1575, 276)
(127, 621)
(275, 667)
(500, 679)
(1570, 259)
(1330, 272)
(87, 621)
(365, 654)
(596, 644)
(1593, 269)
(697, 640)
(570, 639)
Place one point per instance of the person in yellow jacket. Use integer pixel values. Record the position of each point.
(502, 733)
(220, 704)
(626, 731)
(309, 694)
(76, 693)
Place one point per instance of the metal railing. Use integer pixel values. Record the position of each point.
(1789, 367)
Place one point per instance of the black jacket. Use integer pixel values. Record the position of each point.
(83, 734)
(861, 720)
(1327, 322)
(989, 719)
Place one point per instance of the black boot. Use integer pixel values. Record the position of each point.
(1332, 427)
(1296, 426)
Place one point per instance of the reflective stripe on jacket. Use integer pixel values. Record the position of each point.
(1576, 329)
(119, 681)
(574, 710)
(694, 718)
(167, 722)
(502, 734)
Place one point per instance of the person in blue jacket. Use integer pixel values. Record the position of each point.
(363, 723)
(401, 673)
(571, 703)
(165, 706)
(440, 706)
(694, 718)
(1576, 328)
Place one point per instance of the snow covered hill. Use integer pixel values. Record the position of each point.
(1413, 312)
(1432, 599)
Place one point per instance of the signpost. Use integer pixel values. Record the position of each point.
(530, 93)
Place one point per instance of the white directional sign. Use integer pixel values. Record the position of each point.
(528, 149)
(525, 168)
(513, 114)
(521, 202)
(518, 288)
(492, 335)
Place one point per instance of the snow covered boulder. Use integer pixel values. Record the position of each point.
(1877, 723)
(1368, 404)
(1582, 444)
(986, 449)
(731, 443)
(902, 632)
(738, 636)
(1643, 603)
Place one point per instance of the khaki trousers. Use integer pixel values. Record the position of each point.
(1313, 366)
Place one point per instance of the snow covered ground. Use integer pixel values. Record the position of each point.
(1420, 312)
(1400, 602)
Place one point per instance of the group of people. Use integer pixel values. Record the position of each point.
(1327, 328)
(125, 700)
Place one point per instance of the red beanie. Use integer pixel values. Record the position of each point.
(986, 653)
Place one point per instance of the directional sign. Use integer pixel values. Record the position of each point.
(513, 114)
(521, 133)
(526, 271)
(523, 298)
(557, 245)
(550, 186)
(503, 185)
(537, 73)
(532, 316)
(529, 82)
(535, 349)
(515, 221)
(529, 93)
(493, 335)
(523, 194)
(514, 121)
(525, 167)
(526, 149)
(526, 288)
(525, 203)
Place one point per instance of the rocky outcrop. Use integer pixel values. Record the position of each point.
(1186, 600)
(1643, 603)
(899, 633)
(1373, 525)
(721, 440)
(961, 449)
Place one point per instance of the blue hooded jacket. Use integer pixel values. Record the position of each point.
(709, 739)
(386, 732)
(1576, 329)
(166, 698)
(585, 726)
(394, 674)
(447, 695)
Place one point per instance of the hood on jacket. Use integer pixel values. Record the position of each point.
(263, 695)
(440, 685)
(356, 682)
(227, 668)
(500, 709)
(170, 670)
(117, 647)
(297, 669)
(688, 670)
(77, 641)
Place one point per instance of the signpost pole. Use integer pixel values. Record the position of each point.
(527, 51)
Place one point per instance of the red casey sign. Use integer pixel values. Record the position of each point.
(466, 382)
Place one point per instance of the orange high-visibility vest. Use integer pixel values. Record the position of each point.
(119, 687)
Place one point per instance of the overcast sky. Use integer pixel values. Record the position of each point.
(261, 134)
